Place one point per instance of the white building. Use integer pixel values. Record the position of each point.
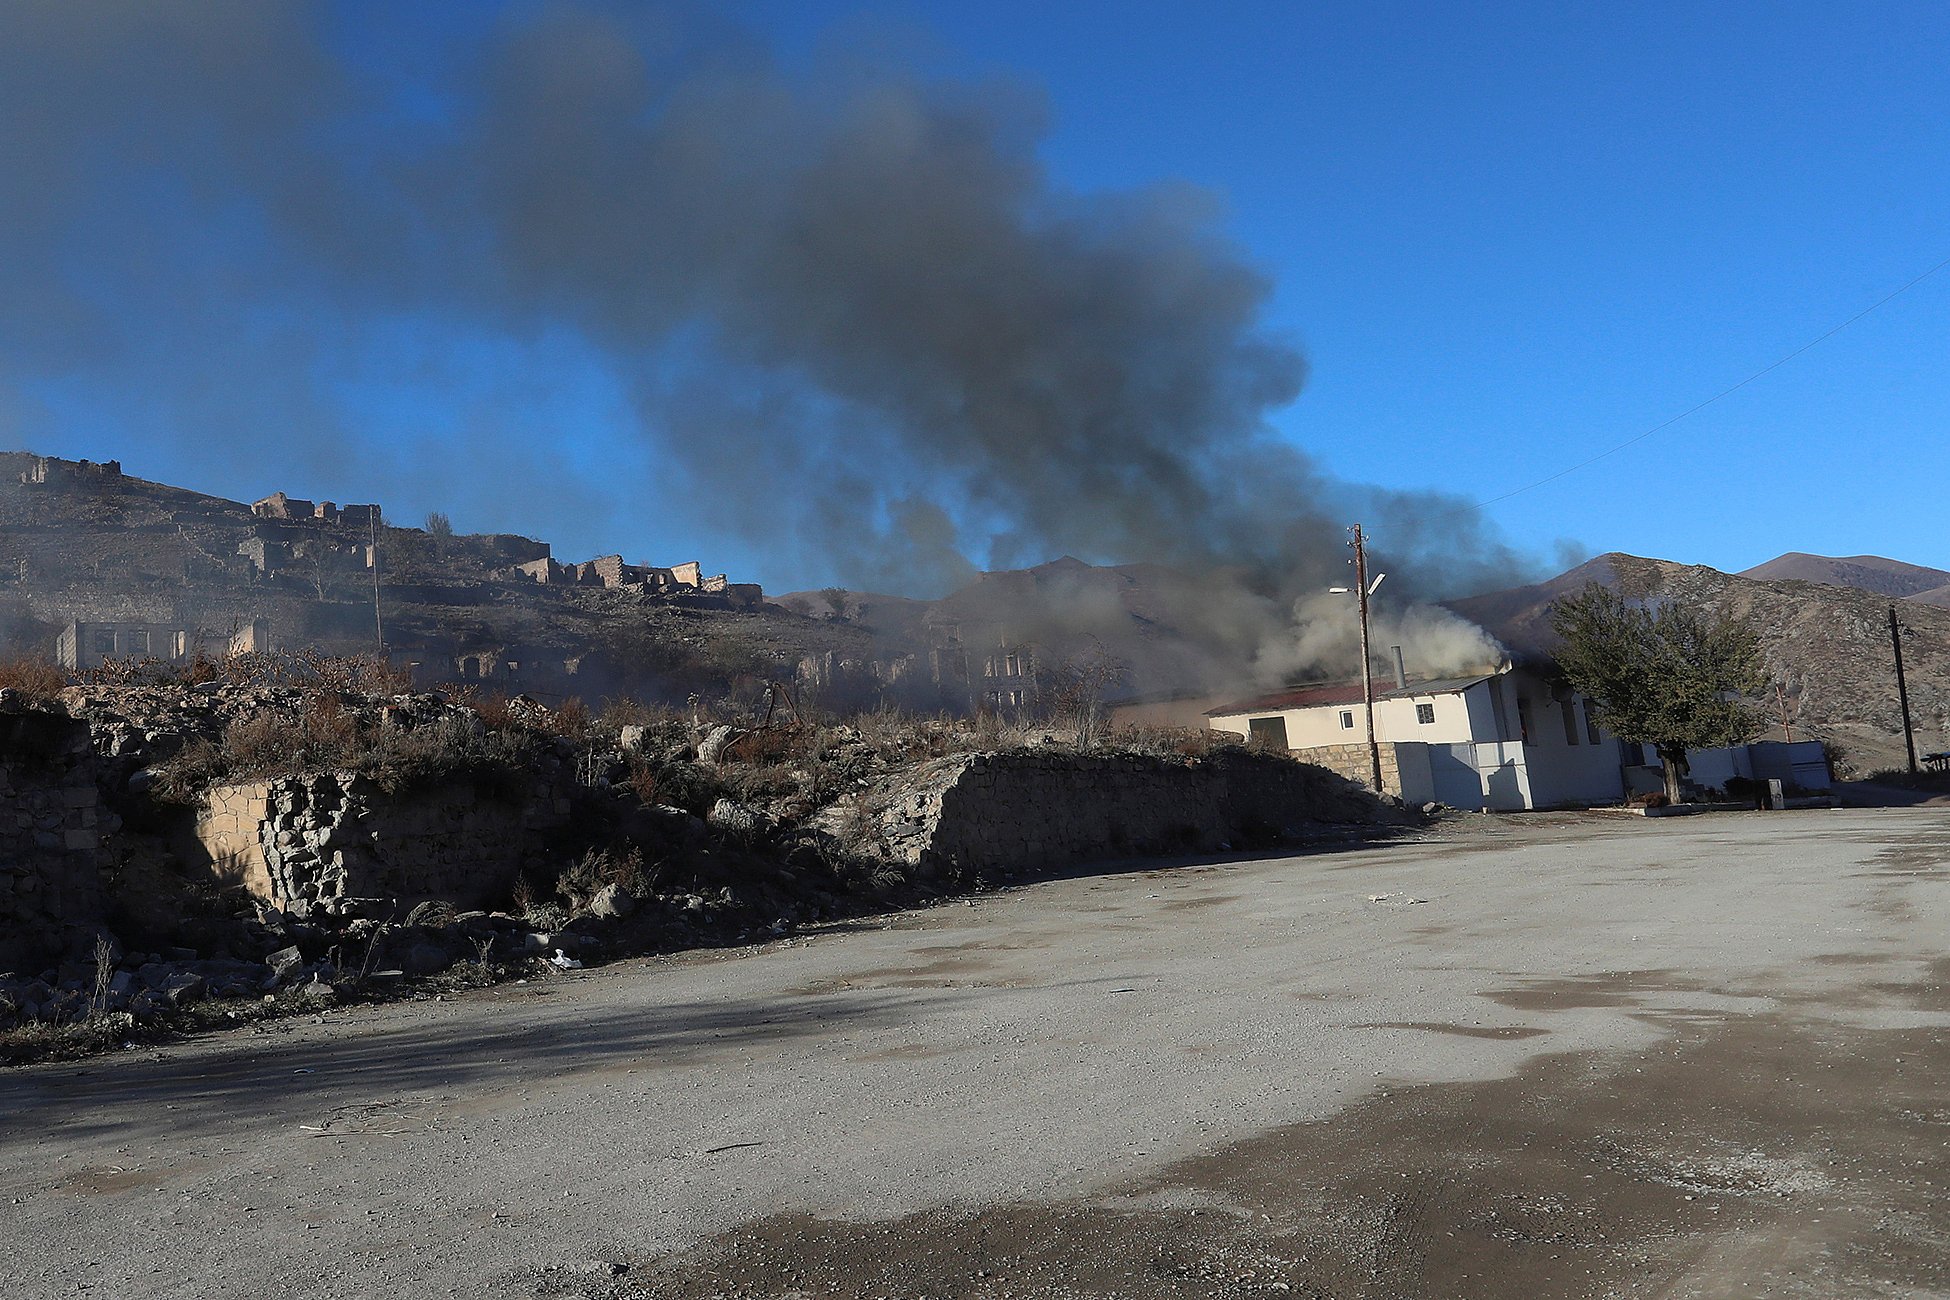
(1509, 739)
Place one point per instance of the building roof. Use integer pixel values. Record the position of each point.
(1321, 695)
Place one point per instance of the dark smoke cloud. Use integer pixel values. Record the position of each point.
(852, 313)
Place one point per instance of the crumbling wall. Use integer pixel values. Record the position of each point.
(998, 814)
(333, 835)
(51, 827)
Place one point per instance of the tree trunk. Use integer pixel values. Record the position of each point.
(1674, 759)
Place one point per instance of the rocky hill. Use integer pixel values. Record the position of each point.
(1867, 572)
(1828, 645)
(86, 543)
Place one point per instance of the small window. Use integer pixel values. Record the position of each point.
(1347, 719)
(1425, 713)
(1523, 719)
(105, 642)
(1590, 722)
(138, 643)
(1570, 724)
(1268, 733)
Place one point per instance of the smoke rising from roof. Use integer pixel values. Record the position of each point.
(848, 306)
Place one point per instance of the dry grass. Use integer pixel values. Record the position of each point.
(330, 731)
(39, 681)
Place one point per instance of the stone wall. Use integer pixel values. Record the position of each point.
(1000, 814)
(51, 828)
(1352, 762)
(332, 835)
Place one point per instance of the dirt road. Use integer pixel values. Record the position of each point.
(1543, 1057)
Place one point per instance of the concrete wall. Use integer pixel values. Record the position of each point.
(333, 835)
(51, 827)
(999, 814)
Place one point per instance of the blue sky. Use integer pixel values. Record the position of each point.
(1504, 239)
(1512, 236)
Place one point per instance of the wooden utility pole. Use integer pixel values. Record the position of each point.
(1367, 662)
(378, 625)
(1780, 699)
(1902, 688)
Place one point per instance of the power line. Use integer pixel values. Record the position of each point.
(1725, 392)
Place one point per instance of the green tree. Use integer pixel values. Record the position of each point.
(1670, 676)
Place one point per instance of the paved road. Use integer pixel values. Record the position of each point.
(1576, 1055)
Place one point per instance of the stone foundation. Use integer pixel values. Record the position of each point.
(1001, 814)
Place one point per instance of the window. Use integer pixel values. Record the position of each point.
(1267, 733)
(1590, 722)
(1570, 724)
(1425, 713)
(1347, 719)
(1523, 719)
(138, 643)
(105, 642)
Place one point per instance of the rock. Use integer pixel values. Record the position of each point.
(633, 738)
(738, 818)
(712, 747)
(183, 989)
(426, 959)
(612, 903)
(285, 962)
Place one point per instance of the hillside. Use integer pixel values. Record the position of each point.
(1827, 644)
(1866, 572)
(95, 547)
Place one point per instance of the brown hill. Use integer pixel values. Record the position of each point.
(1867, 572)
(1828, 645)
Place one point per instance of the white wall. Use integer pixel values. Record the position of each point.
(1546, 768)
(1456, 717)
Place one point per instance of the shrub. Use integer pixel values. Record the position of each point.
(39, 681)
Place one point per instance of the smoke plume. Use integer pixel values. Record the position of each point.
(844, 310)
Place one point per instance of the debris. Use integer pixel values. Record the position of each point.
(1395, 899)
(731, 1146)
(562, 961)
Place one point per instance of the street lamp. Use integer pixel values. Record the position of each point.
(1364, 589)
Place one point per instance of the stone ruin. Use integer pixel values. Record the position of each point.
(310, 841)
(51, 829)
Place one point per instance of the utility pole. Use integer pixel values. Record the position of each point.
(1780, 699)
(378, 626)
(1367, 662)
(1902, 689)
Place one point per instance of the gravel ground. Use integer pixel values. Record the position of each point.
(1573, 1056)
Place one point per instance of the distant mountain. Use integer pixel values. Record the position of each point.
(1827, 643)
(1865, 572)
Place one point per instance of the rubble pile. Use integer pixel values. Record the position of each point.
(291, 847)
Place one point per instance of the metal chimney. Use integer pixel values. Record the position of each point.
(1401, 670)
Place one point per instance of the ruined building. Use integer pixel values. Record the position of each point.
(280, 506)
(82, 646)
(52, 471)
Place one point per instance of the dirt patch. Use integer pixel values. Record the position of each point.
(1784, 1155)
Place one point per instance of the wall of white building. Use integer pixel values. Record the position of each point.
(1508, 742)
